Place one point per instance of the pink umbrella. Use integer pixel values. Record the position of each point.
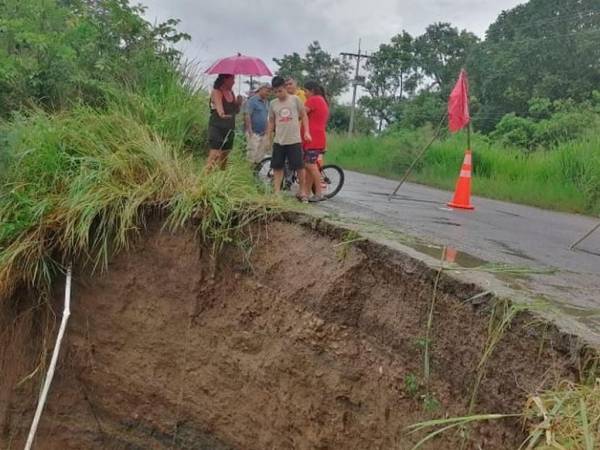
(240, 65)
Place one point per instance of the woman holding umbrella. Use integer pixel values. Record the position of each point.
(224, 105)
(221, 126)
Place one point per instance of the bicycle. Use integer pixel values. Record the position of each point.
(332, 177)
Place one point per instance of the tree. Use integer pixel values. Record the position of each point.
(54, 53)
(339, 120)
(424, 108)
(543, 49)
(412, 77)
(392, 76)
(318, 65)
(441, 52)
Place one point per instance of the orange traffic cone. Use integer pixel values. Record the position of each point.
(462, 195)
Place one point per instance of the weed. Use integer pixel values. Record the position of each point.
(444, 425)
(348, 238)
(412, 385)
(501, 317)
(431, 404)
(426, 351)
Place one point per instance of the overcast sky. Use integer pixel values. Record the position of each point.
(272, 28)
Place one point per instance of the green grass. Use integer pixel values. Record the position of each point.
(566, 178)
(80, 185)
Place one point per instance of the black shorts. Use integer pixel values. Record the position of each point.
(291, 153)
(312, 156)
(220, 138)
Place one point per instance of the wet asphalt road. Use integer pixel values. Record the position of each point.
(496, 232)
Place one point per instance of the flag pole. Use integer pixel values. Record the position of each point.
(576, 243)
(469, 136)
(418, 158)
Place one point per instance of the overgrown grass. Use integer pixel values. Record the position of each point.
(566, 417)
(566, 178)
(79, 185)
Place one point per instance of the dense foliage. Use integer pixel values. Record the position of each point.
(54, 53)
(101, 122)
(538, 52)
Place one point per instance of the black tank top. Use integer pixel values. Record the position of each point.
(230, 109)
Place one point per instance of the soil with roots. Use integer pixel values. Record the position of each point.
(304, 342)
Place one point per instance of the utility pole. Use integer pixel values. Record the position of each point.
(357, 80)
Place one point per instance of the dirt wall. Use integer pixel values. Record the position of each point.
(304, 343)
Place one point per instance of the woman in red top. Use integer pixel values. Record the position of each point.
(317, 109)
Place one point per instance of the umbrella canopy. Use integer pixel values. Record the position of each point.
(240, 65)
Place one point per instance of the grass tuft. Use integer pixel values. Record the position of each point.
(80, 185)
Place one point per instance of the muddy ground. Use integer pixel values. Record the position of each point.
(304, 343)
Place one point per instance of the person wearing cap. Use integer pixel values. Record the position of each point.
(256, 120)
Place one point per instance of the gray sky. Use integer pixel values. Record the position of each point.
(266, 29)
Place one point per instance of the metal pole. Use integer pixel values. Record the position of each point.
(352, 111)
(417, 159)
(585, 237)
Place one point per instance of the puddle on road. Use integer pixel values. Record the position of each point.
(515, 278)
(452, 255)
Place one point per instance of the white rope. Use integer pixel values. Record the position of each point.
(50, 374)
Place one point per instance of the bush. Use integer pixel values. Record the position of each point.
(513, 131)
(562, 127)
(549, 125)
(56, 54)
(339, 120)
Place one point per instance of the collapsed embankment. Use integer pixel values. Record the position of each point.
(306, 342)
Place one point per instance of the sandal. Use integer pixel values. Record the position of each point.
(302, 198)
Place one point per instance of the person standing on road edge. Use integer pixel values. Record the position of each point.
(285, 114)
(256, 120)
(317, 109)
(221, 125)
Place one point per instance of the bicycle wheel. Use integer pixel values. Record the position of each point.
(333, 178)
(263, 171)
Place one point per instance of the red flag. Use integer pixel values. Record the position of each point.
(458, 104)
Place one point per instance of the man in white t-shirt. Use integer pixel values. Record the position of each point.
(285, 115)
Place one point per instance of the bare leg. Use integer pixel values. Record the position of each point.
(302, 182)
(277, 180)
(213, 160)
(223, 157)
(313, 179)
